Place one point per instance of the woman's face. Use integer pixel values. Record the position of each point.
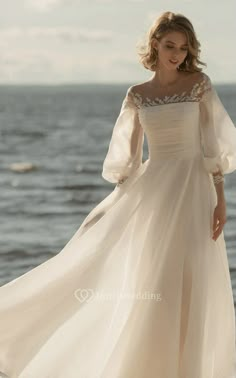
(172, 49)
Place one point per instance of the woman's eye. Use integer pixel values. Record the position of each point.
(171, 47)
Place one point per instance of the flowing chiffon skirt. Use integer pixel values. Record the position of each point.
(140, 290)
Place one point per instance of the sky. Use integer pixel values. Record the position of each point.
(95, 41)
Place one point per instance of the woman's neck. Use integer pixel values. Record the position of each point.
(164, 78)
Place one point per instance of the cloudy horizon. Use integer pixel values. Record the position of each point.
(72, 42)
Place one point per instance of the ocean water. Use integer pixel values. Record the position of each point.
(63, 132)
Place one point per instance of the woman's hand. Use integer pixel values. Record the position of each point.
(219, 219)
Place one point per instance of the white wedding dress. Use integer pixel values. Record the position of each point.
(141, 290)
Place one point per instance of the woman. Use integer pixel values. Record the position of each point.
(143, 287)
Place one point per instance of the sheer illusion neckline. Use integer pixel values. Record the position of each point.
(193, 95)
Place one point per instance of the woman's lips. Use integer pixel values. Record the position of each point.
(173, 62)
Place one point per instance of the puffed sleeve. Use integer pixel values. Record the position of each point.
(218, 133)
(125, 149)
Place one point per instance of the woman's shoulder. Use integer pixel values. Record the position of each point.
(203, 77)
(197, 77)
(137, 87)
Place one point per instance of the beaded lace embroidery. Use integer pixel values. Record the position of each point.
(195, 95)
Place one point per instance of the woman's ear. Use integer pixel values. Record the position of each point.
(155, 44)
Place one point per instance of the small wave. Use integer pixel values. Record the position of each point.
(22, 167)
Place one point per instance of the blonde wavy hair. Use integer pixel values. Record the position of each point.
(166, 23)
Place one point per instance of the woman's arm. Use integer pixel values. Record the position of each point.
(219, 217)
(219, 186)
(125, 149)
(218, 140)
